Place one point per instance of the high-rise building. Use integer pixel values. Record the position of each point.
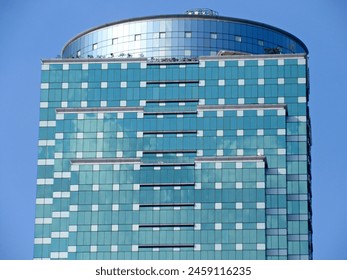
(175, 137)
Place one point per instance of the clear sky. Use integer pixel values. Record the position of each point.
(35, 29)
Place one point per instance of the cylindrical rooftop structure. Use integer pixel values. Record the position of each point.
(198, 32)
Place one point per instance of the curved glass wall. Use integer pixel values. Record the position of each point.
(179, 36)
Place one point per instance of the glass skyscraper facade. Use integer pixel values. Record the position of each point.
(175, 137)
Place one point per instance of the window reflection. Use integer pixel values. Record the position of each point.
(137, 37)
(188, 34)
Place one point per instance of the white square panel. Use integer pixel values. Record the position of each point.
(239, 226)
(239, 132)
(221, 82)
(119, 154)
(260, 113)
(260, 205)
(114, 228)
(218, 226)
(114, 248)
(260, 132)
(301, 61)
(220, 132)
(260, 225)
(99, 135)
(238, 205)
(115, 207)
(94, 227)
(218, 205)
(301, 80)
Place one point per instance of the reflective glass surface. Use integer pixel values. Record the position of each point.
(187, 160)
(178, 36)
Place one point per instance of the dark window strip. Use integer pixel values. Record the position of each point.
(168, 164)
(165, 225)
(168, 185)
(171, 132)
(168, 205)
(172, 82)
(167, 246)
(172, 113)
(99, 109)
(173, 101)
(170, 152)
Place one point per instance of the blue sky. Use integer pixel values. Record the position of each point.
(31, 30)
